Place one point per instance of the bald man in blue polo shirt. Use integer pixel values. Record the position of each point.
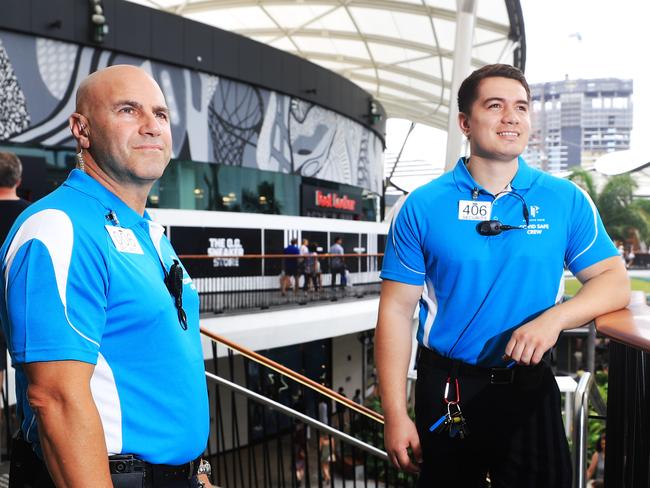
(101, 318)
(483, 250)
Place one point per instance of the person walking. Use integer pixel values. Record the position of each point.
(11, 205)
(290, 267)
(596, 469)
(337, 263)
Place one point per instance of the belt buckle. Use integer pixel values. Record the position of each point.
(502, 376)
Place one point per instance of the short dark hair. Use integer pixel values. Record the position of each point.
(10, 170)
(294, 241)
(599, 442)
(468, 90)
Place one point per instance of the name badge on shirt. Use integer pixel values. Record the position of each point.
(474, 210)
(124, 239)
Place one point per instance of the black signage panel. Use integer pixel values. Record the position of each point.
(381, 248)
(34, 183)
(273, 244)
(225, 246)
(332, 203)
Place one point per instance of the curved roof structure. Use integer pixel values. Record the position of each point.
(400, 51)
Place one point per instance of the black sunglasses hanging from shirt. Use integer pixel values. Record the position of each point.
(494, 227)
(174, 283)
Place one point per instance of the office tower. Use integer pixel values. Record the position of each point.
(576, 121)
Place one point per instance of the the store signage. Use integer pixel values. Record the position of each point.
(326, 202)
(223, 249)
(334, 200)
(225, 245)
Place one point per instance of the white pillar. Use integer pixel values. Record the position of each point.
(465, 21)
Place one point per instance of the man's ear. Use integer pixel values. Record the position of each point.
(463, 124)
(79, 130)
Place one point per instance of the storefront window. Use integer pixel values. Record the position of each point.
(190, 185)
(203, 186)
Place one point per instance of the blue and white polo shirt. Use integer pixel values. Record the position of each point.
(80, 285)
(478, 289)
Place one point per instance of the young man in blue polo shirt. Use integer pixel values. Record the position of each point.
(483, 250)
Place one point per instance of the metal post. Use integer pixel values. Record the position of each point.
(591, 348)
(364, 365)
(465, 21)
(568, 412)
(581, 417)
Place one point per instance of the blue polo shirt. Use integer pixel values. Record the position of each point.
(78, 285)
(478, 289)
(291, 265)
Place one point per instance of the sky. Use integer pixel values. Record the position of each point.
(578, 38)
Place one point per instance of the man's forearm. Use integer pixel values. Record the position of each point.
(72, 439)
(69, 426)
(606, 288)
(392, 354)
(604, 293)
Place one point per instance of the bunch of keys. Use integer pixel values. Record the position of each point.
(453, 421)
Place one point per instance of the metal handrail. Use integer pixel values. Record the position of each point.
(581, 414)
(309, 383)
(283, 256)
(298, 415)
(597, 402)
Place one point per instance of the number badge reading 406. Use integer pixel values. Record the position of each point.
(124, 240)
(474, 210)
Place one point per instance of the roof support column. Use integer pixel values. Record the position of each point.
(465, 21)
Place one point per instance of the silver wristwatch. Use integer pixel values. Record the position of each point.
(204, 468)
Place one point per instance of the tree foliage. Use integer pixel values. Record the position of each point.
(619, 210)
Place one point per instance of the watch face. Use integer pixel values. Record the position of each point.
(204, 468)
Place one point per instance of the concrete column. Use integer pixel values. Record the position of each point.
(465, 21)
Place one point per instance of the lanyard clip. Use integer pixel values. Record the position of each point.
(446, 396)
(112, 218)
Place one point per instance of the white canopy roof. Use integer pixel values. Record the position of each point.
(400, 51)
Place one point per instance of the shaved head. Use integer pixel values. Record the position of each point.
(93, 85)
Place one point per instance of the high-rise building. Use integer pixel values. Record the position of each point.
(576, 121)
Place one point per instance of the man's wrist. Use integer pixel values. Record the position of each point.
(557, 318)
(395, 413)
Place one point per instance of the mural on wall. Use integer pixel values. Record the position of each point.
(213, 119)
(13, 110)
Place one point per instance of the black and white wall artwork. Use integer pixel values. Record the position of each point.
(213, 119)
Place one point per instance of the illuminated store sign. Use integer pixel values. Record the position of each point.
(334, 200)
(343, 203)
(225, 245)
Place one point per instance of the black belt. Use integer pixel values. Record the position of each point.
(127, 463)
(494, 376)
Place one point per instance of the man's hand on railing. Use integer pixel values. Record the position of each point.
(204, 481)
(400, 440)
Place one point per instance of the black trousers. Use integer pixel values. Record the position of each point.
(28, 471)
(516, 432)
(341, 273)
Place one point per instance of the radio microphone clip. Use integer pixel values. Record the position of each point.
(493, 228)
